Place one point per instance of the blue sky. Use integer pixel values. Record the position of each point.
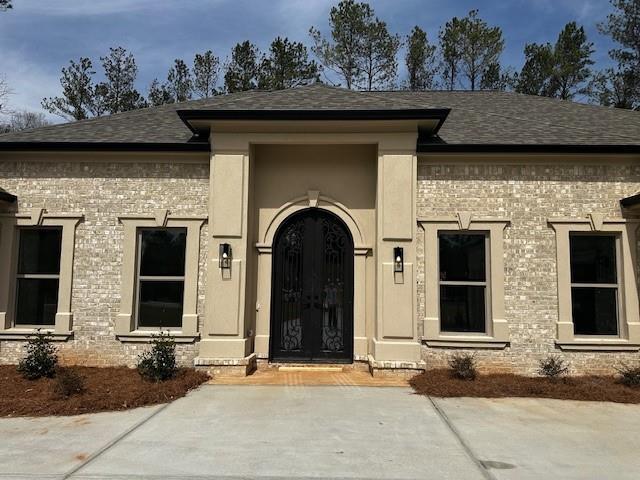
(39, 37)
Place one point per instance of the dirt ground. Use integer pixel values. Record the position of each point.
(105, 389)
(439, 383)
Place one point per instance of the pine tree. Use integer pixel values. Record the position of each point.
(242, 70)
(495, 77)
(451, 52)
(158, 94)
(77, 91)
(420, 60)
(620, 86)
(343, 53)
(205, 74)
(379, 56)
(572, 55)
(481, 47)
(5, 5)
(179, 84)
(287, 66)
(537, 71)
(118, 91)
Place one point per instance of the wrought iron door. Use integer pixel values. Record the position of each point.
(312, 289)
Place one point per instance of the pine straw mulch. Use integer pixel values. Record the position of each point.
(439, 383)
(106, 389)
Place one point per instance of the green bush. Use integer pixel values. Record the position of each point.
(41, 358)
(629, 375)
(553, 367)
(68, 383)
(463, 366)
(159, 363)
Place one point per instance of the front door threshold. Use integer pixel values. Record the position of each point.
(310, 368)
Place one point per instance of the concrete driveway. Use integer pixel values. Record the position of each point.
(328, 432)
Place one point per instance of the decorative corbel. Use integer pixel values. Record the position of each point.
(464, 220)
(162, 215)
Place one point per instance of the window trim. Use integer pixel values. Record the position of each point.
(497, 332)
(153, 278)
(486, 283)
(9, 244)
(126, 328)
(628, 337)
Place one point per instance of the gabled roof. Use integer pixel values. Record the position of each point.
(479, 121)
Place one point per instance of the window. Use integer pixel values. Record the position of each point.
(594, 284)
(38, 276)
(463, 282)
(161, 274)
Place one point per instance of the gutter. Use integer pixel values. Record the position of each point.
(104, 147)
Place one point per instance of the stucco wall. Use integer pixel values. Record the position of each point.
(526, 191)
(102, 189)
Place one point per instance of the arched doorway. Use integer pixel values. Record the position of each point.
(312, 289)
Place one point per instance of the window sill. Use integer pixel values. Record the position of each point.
(466, 341)
(146, 336)
(598, 344)
(24, 334)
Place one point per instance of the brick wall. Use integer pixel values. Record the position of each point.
(527, 195)
(101, 192)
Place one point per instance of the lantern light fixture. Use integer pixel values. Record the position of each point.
(398, 259)
(225, 256)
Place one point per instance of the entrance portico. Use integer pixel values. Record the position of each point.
(361, 171)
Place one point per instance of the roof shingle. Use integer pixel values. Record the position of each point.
(482, 118)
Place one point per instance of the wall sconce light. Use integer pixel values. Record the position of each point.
(398, 259)
(225, 256)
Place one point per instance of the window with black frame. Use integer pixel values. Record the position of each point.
(160, 277)
(38, 276)
(463, 282)
(594, 284)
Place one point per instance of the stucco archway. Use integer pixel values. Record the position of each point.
(264, 277)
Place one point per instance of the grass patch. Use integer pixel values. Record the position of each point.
(103, 389)
(440, 383)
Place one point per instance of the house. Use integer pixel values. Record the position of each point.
(319, 224)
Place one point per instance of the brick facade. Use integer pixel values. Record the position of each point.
(527, 194)
(102, 192)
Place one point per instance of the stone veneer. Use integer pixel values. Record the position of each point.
(527, 195)
(102, 192)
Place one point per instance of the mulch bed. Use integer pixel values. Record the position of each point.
(439, 383)
(106, 389)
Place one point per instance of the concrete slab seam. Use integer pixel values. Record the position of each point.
(466, 447)
(111, 443)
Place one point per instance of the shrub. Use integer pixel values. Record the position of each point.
(629, 375)
(159, 363)
(41, 359)
(553, 367)
(463, 366)
(68, 383)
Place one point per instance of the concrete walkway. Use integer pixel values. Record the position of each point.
(231, 432)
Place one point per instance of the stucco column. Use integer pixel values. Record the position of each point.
(396, 327)
(225, 331)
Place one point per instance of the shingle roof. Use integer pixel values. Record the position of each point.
(476, 118)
